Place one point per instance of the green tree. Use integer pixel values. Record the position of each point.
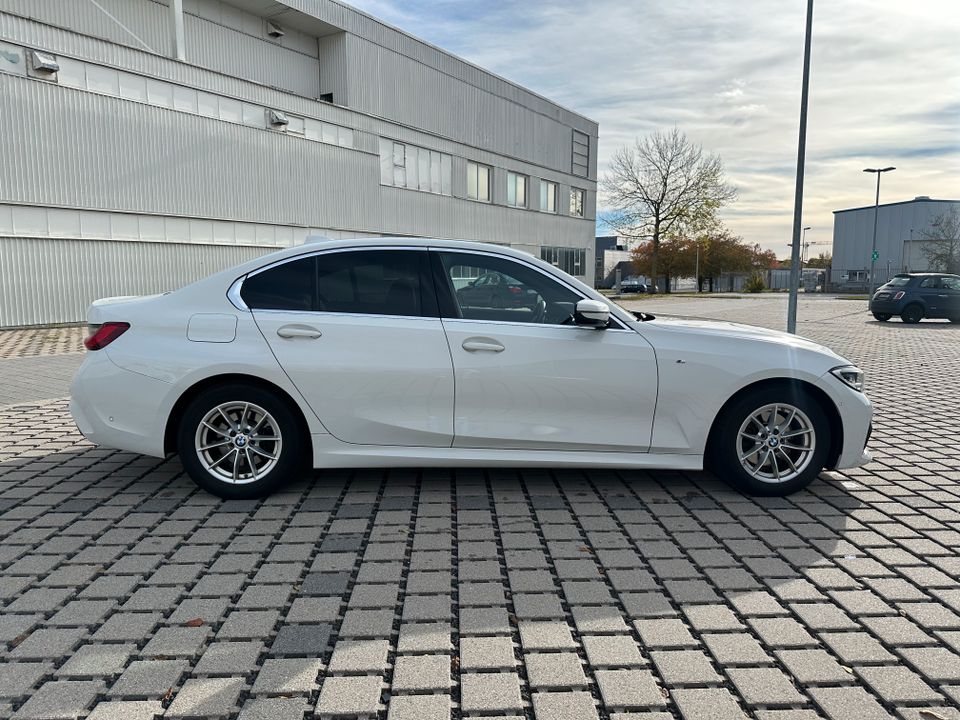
(661, 187)
(822, 261)
(677, 258)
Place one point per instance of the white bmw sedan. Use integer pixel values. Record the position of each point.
(406, 352)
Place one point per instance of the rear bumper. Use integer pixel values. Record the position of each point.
(117, 408)
(893, 307)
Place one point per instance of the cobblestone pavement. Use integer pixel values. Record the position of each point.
(556, 595)
(41, 341)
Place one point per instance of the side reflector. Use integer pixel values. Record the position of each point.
(102, 335)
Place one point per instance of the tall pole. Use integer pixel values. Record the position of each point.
(176, 21)
(876, 212)
(698, 267)
(798, 196)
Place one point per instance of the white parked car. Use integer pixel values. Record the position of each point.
(360, 353)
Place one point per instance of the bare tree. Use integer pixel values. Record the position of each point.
(661, 186)
(942, 242)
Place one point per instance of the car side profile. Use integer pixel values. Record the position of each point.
(916, 296)
(366, 353)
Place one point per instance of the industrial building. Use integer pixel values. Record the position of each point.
(901, 228)
(147, 143)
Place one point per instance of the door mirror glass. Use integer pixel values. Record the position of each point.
(592, 313)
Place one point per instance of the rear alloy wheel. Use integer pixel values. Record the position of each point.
(882, 317)
(772, 441)
(239, 442)
(912, 314)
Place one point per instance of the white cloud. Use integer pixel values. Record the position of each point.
(885, 87)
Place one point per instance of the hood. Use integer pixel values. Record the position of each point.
(745, 332)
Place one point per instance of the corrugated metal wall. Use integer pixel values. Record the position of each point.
(54, 281)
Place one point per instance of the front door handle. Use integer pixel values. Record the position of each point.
(298, 331)
(482, 345)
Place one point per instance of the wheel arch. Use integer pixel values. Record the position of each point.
(794, 385)
(176, 413)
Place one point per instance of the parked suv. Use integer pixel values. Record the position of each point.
(915, 296)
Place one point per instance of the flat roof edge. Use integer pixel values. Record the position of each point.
(900, 202)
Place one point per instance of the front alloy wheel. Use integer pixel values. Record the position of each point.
(239, 442)
(772, 440)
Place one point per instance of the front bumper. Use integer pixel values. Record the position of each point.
(856, 418)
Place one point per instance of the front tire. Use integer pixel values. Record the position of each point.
(239, 441)
(912, 314)
(772, 441)
(882, 317)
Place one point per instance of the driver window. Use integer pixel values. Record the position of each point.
(497, 289)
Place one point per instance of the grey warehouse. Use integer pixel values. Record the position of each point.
(148, 143)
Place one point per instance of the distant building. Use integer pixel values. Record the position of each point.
(900, 239)
(610, 253)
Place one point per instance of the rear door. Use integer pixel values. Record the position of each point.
(358, 333)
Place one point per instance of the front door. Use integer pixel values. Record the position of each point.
(357, 332)
(929, 290)
(526, 377)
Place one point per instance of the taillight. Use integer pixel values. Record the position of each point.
(899, 295)
(514, 289)
(102, 335)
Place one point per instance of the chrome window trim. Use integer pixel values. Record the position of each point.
(233, 294)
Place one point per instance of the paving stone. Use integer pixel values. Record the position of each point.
(707, 618)
(288, 676)
(354, 656)
(307, 640)
(490, 692)
(149, 678)
(176, 642)
(314, 610)
(48, 643)
(707, 704)
(350, 696)
(764, 686)
(782, 632)
(367, 624)
(484, 621)
(273, 709)
(666, 633)
(424, 637)
(127, 710)
(813, 666)
(684, 667)
(554, 670)
(214, 697)
(419, 707)
(735, 649)
(413, 673)
(60, 699)
(487, 653)
(935, 663)
(17, 679)
(229, 658)
(97, 660)
(629, 689)
(897, 684)
(545, 636)
(611, 651)
(243, 624)
(836, 702)
(564, 706)
(854, 648)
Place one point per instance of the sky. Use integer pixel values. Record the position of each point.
(884, 88)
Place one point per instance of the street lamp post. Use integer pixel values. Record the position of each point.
(798, 194)
(876, 211)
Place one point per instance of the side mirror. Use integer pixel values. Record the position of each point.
(592, 313)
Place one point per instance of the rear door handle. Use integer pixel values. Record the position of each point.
(298, 331)
(482, 345)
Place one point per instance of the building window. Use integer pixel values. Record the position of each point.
(548, 196)
(572, 261)
(577, 196)
(581, 154)
(415, 168)
(516, 190)
(478, 182)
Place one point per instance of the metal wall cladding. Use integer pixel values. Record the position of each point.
(54, 281)
(77, 149)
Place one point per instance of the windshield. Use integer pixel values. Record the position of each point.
(899, 281)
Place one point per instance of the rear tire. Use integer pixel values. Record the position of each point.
(239, 441)
(791, 434)
(882, 317)
(912, 314)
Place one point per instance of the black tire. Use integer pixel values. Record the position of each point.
(912, 314)
(882, 317)
(289, 450)
(725, 444)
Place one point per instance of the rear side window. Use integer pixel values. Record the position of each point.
(930, 282)
(370, 282)
(951, 283)
(291, 286)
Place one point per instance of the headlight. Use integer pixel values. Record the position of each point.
(851, 375)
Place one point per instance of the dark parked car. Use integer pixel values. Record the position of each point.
(496, 290)
(915, 296)
(633, 285)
